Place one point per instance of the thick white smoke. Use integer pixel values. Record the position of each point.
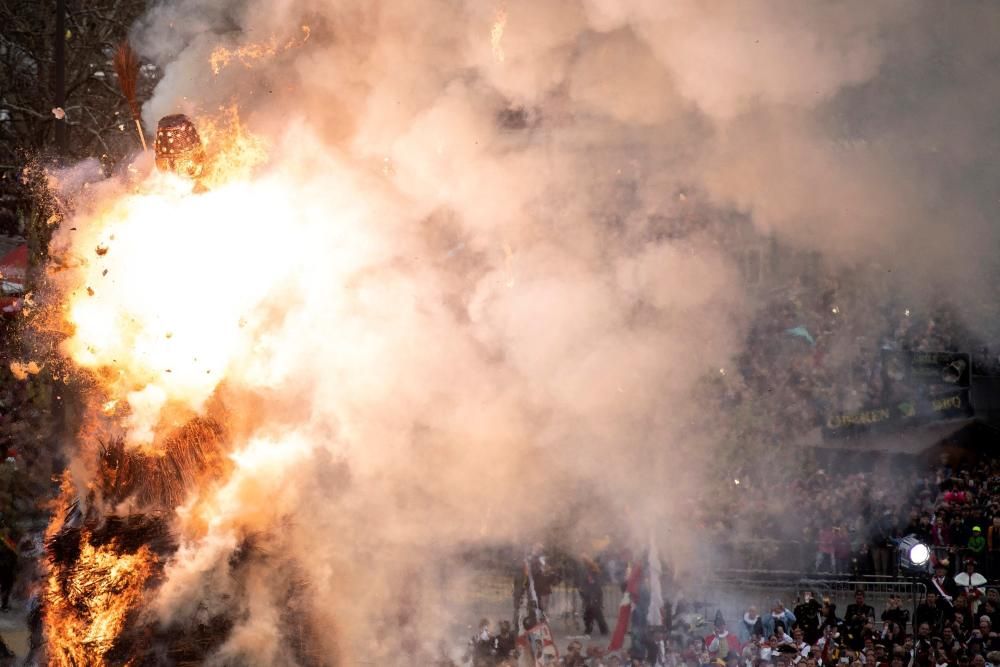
(465, 314)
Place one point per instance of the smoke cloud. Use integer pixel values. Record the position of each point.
(447, 308)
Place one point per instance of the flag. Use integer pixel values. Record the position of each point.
(537, 644)
(625, 610)
(654, 615)
(801, 332)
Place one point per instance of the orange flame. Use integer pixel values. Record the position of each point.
(117, 303)
(86, 612)
(88, 602)
(249, 54)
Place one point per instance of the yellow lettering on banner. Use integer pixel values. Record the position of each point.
(941, 404)
(860, 418)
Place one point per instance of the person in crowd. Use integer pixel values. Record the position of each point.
(829, 614)
(782, 638)
(481, 645)
(993, 547)
(891, 635)
(842, 549)
(801, 646)
(751, 624)
(721, 642)
(989, 637)
(574, 655)
(895, 613)
(991, 606)
(930, 612)
(943, 585)
(542, 574)
(877, 656)
(960, 620)
(505, 642)
(971, 583)
(807, 615)
(778, 615)
(951, 643)
(856, 617)
(862, 564)
(825, 559)
(940, 533)
(591, 587)
(829, 645)
(883, 532)
(977, 543)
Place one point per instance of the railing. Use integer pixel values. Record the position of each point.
(737, 595)
(732, 596)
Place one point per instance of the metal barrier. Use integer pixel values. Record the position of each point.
(766, 554)
(733, 596)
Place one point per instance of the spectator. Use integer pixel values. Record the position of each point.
(542, 576)
(802, 647)
(841, 549)
(826, 560)
(930, 612)
(778, 615)
(951, 644)
(855, 618)
(991, 607)
(807, 615)
(591, 589)
(750, 625)
(942, 585)
(972, 584)
(882, 545)
(977, 543)
(482, 645)
(721, 642)
(505, 642)
(781, 637)
(574, 655)
(993, 548)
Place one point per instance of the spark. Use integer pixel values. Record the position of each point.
(496, 34)
(249, 54)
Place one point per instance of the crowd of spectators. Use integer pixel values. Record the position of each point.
(817, 346)
(850, 524)
(852, 527)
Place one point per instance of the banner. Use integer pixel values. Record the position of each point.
(926, 372)
(914, 411)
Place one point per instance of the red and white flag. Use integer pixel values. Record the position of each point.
(654, 615)
(538, 646)
(629, 599)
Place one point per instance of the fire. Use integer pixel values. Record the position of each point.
(179, 306)
(88, 606)
(139, 306)
(248, 54)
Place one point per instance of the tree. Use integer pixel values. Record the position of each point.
(96, 115)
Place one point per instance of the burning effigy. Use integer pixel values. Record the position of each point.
(396, 281)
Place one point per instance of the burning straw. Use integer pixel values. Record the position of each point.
(103, 565)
